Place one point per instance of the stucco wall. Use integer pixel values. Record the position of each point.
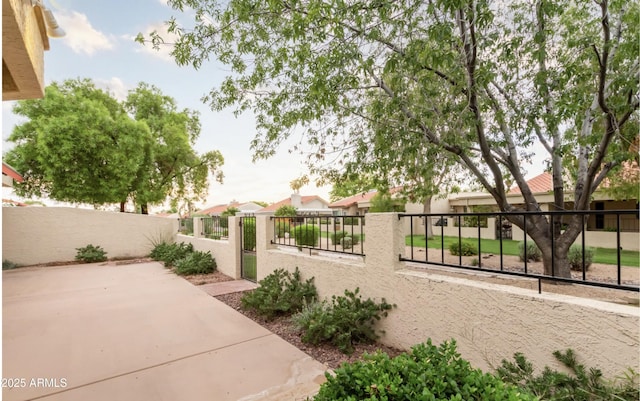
(32, 235)
(489, 321)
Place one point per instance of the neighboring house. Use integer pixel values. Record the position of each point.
(10, 175)
(359, 204)
(26, 28)
(246, 208)
(312, 204)
(542, 188)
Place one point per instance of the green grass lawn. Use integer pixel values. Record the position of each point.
(510, 247)
(249, 266)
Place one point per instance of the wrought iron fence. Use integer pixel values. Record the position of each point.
(215, 227)
(340, 234)
(494, 243)
(185, 225)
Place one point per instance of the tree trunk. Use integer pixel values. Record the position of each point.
(144, 208)
(122, 206)
(428, 229)
(558, 266)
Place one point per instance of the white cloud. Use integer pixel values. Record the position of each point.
(81, 37)
(165, 49)
(115, 86)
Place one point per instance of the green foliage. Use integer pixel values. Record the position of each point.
(533, 252)
(224, 216)
(577, 384)
(8, 265)
(346, 321)
(352, 221)
(463, 248)
(426, 373)
(346, 243)
(170, 253)
(195, 262)
(77, 145)
(249, 233)
(91, 254)
(286, 211)
(337, 236)
(280, 293)
(306, 234)
(575, 257)
(283, 225)
(383, 202)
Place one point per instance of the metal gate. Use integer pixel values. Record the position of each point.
(248, 256)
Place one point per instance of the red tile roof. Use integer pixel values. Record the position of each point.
(352, 200)
(542, 183)
(11, 172)
(303, 199)
(218, 208)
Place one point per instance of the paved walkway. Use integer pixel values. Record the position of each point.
(138, 332)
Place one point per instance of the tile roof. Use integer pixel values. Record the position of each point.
(218, 208)
(352, 200)
(11, 172)
(542, 183)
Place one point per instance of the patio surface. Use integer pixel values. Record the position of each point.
(138, 332)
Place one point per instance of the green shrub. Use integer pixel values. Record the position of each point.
(8, 265)
(348, 320)
(337, 236)
(280, 293)
(91, 254)
(283, 226)
(578, 384)
(170, 253)
(249, 233)
(575, 257)
(533, 252)
(307, 234)
(426, 372)
(346, 243)
(286, 211)
(464, 249)
(352, 221)
(195, 263)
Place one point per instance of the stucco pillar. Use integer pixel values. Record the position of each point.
(234, 244)
(384, 241)
(197, 227)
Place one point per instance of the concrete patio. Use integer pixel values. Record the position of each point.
(138, 332)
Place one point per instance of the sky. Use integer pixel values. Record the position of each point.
(99, 44)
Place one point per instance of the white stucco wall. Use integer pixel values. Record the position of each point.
(490, 322)
(33, 235)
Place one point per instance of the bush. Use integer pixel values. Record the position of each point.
(337, 236)
(348, 320)
(464, 249)
(533, 252)
(575, 257)
(346, 243)
(249, 233)
(170, 253)
(578, 384)
(307, 234)
(283, 226)
(91, 254)
(352, 221)
(195, 263)
(427, 372)
(280, 293)
(286, 211)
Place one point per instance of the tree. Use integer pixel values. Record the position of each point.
(78, 145)
(478, 82)
(172, 168)
(298, 183)
(384, 202)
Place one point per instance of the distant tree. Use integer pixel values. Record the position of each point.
(77, 145)
(260, 203)
(230, 211)
(384, 202)
(171, 167)
(299, 183)
(286, 211)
